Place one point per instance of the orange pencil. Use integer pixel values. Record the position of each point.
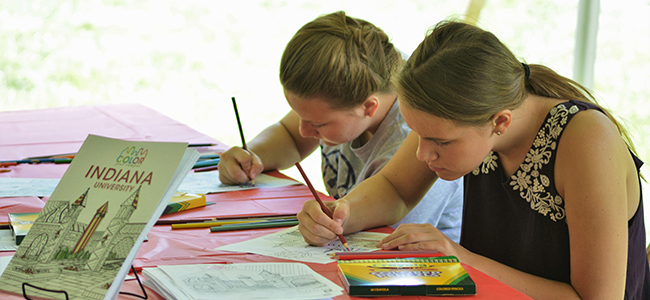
(326, 210)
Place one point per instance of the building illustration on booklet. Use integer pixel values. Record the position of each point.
(88, 233)
(62, 245)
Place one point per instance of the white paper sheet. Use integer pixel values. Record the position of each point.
(194, 183)
(208, 182)
(240, 281)
(289, 244)
(7, 242)
(25, 187)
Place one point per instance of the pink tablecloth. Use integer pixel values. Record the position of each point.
(63, 130)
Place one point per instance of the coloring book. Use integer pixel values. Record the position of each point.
(87, 234)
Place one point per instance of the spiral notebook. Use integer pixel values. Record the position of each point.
(430, 276)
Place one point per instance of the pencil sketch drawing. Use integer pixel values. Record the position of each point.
(246, 281)
(60, 250)
(289, 244)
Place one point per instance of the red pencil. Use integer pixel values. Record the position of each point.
(205, 169)
(384, 255)
(326, 210)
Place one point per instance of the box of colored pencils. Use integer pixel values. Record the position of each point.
(181, 202)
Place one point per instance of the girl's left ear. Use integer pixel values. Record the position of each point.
(371, 105)
(501, 121)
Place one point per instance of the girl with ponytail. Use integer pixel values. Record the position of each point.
(553, 204)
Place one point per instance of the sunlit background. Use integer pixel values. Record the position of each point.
(186, 59)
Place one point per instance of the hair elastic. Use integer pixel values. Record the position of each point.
(527, 69)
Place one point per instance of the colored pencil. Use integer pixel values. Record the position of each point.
(214, 223)
(183, 221)
(206, 169)
(206, 163)
(222, 219)
(326, 210)
(201, 145)
(209, 156)
(239, 217)
(255, 216)
(37, 161)
(256, 225)
(62, 155)
(384, 254)
(241, 131)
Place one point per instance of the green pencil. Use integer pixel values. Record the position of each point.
(206, 163)
(256, 225)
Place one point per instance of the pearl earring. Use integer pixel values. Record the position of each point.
(498, 132)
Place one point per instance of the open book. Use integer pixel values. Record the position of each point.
(87, 234)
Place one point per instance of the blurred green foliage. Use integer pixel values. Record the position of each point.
(187, 58)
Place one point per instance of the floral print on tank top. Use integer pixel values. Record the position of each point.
(531, 184)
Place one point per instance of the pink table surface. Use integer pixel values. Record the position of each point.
(63, 130)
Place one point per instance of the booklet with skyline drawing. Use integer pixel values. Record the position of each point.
(87, 234)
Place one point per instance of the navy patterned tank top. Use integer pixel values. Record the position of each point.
(520, 221)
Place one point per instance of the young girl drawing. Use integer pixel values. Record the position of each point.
(337, 74)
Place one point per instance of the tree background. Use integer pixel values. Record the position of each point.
(186, 59)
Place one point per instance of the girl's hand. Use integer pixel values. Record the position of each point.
(316, 227)
(239, 166)
(414, 237)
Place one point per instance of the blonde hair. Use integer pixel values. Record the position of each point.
(465, 74)
(340, 59)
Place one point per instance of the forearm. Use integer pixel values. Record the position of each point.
(388, 196)
(533, 286)
(280, 146)
(373, 203)
(275, 147)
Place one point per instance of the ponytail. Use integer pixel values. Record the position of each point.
(547, 83)
(465, 74)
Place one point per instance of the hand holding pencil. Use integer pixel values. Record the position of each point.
(306, 233)
(239, 165)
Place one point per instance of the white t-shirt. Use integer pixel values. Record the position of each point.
(344, 167)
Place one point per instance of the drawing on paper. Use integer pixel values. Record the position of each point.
(208, 182)
(211, 283)
(289, 244)
(241, 281)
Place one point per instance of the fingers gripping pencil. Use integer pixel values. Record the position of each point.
(326, 210)
(241, 134)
